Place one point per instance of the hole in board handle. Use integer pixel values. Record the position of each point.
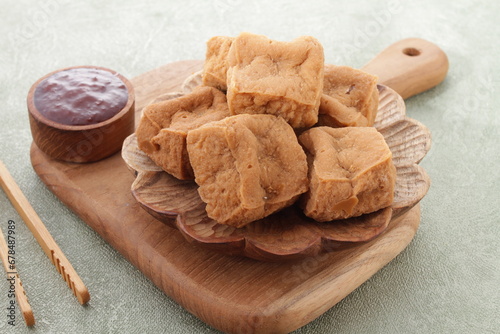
(412, 52)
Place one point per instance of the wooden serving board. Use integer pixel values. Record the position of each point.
(232, 294)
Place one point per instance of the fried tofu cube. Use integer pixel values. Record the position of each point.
(279, 78)
(350, 97)
(215, 66)
(164, 126)
(350, 172)
(247, 167)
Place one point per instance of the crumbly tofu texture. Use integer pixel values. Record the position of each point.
(215, 66)
(350, 172)
(272, 77)
(164, 126)
(350, 97)
(247, 167)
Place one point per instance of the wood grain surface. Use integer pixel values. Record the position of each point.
(410, 66)
(232, 294)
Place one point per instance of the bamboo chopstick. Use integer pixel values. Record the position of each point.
(43, 236)
(10, 270)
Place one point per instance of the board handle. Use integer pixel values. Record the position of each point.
(410, 66)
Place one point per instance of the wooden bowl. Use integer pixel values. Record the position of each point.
(287, 234)
(81, 143)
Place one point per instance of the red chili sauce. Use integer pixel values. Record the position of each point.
(81, 96)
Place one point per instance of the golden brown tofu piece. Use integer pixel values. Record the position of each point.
(350, 172)
(247, 167)
(163, 128)
(215, 67)
(280, 78)
(350, 97)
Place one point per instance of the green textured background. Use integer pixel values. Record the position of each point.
(448, 278)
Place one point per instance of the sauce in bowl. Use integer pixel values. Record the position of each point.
(81, 96)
